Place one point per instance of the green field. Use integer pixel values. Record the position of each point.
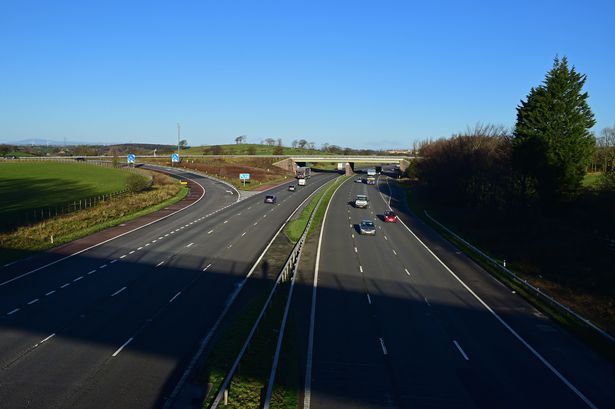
(31, 185)
(244, 149)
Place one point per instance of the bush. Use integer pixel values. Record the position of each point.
(137, 183)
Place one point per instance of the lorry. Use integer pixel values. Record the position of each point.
(301, 182)
(371, 172)
(371, 180)
(303, 172)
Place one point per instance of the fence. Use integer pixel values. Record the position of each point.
(43, 213)
(535, 290)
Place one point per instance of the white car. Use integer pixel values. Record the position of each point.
(361, 201)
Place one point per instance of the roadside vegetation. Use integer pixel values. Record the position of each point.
(163, 191)
(526, 197)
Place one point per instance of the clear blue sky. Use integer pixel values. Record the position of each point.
(374, 74)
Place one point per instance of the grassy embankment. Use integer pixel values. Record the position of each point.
(248, 383)
(58, 183)
(249, 149)
(556, 251)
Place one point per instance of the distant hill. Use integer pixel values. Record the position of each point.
(45, 142)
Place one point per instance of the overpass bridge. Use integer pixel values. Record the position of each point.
(290, 163)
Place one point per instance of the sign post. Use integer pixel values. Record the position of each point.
(174, 158)
(244, 177)
(131, 158)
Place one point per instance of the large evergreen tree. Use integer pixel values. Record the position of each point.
(552, 144)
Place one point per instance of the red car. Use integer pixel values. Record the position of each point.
(390, 217)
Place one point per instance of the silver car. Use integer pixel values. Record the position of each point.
(367, 227)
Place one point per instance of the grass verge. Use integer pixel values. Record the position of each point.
(563, 318)
(164, 192)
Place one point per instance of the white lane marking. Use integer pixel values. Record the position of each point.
(130, 252)
(225, 222)
(355, 250)
(171, 232)
(264, 216)
(501, 321)
(361, 268)
(50, 292)
(351, 225)
(249, 207)
(190, 245)
(13, 312)
(385, 237)
(48, 338)
(159, 264)
(175, 296)
(103, 266)
(154, 241)
(209, 232)
(461, 350)
(230, 245)
(427, 301)
(243, 234)
(352, 235)
(394, 252)
(122, 347)
(160, 238)
(208, 265)
(238, 214)
(91, 272)
(123, 256)
(255, 223)
(406, 270)
(166, 235)
(147, 244)
(65, 285)
(33, 301)
(186, 225)
(384, 348)
(113, 261)
(118, 291)
(369, 299)
(140, 248)
(78, 278)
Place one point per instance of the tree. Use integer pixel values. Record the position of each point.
(251, 150)
(552, 144)
(301, 143)
(183, 144)
(278, 150)
(240, 139)
(270, 141)
(279, 142)
(294, 143)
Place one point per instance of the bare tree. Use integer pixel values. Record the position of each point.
(270, 141)
(295, 143)
(279, 141)
(301, 143)
(324, 147)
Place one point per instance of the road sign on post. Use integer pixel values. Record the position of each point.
(244, 177)
(131, 158)
(175, 158)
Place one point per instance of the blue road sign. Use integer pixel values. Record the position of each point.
(175, 157)
(131, 158)
(244, 176)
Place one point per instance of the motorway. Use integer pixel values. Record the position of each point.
(401, 325)
(116, 325)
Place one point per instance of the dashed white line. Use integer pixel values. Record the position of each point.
(140, 248)
(186, 225)
(166, 235)
(13, 312)
(461, 350)
(384, 348)
(356, 250)
(385, 237)
(113, 261)
(427, 301)
(50, 292)
(352, 235)
(154, 241)
(369, 299)
(225, 222)
(208, 265)
(118, 291)
(122, 347)
(243, 234)
(65, 285)
(147, 244)
(160, 238)
(78, 278)
(103, 266)
(230, 245)
(406, 270)
(91, 272)
(123, 256)
(209, 232)
(394, 252)
(130, 252)
(32, 301)
(361, 268)
(255, 223)
(190, 245)
(159, 264)
(175, 296)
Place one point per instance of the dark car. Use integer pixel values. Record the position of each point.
(390, 217)
(291, 188)
(270, 199)
(367, 227)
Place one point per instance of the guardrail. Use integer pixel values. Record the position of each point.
(537, 291)
(287, 272)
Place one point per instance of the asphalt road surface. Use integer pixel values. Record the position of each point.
(114, 326)
(399, 326)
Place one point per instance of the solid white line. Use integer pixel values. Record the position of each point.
(508, 327)
(307, 394)
(50, 292)
(159, 264)
(65, 285)
(384, 348)
(48, 338)
(78, 278)
(91, 272)
(175, 296)
(369, 300)
(461, 350)
(118, 291)
(190, 245)
(103, 242)
(122, 347)
(13, 312)
(33, 301)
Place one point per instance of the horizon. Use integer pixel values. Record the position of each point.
(351, 74)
